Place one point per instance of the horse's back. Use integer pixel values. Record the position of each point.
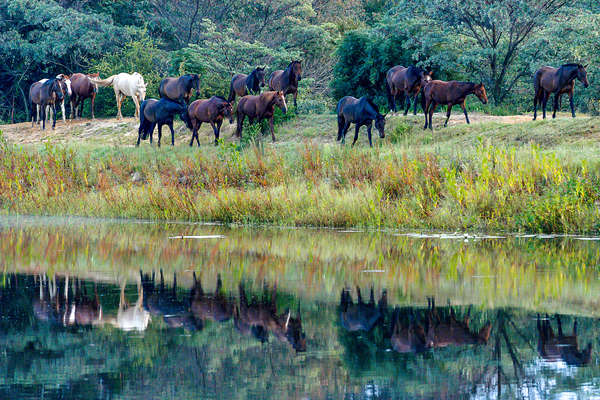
(274, 80)
(395, 73)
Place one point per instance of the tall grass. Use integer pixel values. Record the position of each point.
(495, 188)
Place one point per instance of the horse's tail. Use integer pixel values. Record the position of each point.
(537, 77)
(104, 82)
(144, 123)
(231, 97)
(341, 124)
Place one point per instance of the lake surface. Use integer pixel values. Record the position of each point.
(83, 313)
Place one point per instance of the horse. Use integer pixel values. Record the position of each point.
(45, 94)
(242, 84)
(213, 111)
(287, 80)
(259, 108)
(210, 306)
(179, 89)
(562, 347)
(407, 82)
(125, 84)
(65, 85)
(548, 80)
(159, 112)
(449, 93)
(361, 316)
(360, 112)
(82, 88)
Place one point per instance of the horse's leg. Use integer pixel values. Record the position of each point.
(240, 123)
(346, 127)
(92, 106)
(544, 102)
(218, 133)
(62, 109)
(535, 105)
(54, 116)
(432, 108)
(464, 108)
(295, 96)
(341, 124)
(415, 103)
(555, 104)
(571, 103)
(43, 116)
(369, 126)
(195, 127)
(356, 129)
(159, 133)
(137, 105)
(407, 100)
(80, 114)
(172, 133)
(118, 98)
(426, 112)
(271, 123)
(448, 115)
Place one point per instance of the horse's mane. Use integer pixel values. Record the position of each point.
(369, 101)
(572, 65)
(292, 63)
(49, 82)
(221, 98)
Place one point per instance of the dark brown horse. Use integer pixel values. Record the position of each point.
(405, 82)
(242, 84)
(287, 80)
(361, 316)
(160, 112)
(49, 93)
(259, 108)
(179, 89)
(548, 80)
(449, 94)
(562, 347)
(444, 332)
(260, 317)
(82, 88)
(213, 111)
(210, 306)
(360, 112)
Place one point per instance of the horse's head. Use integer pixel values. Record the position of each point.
(55, 90)
(279, 101)
(260, 76)
(226, 109)
(426, 77)
(195, 83)
(480, 92)
(296, 67)
(65, 83)
(293, 330)
(380, 125)
(582, 75)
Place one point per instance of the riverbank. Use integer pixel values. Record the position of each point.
(514, 175)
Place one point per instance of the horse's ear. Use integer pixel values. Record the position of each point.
(585, 66)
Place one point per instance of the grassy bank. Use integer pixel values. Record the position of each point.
(528, 176)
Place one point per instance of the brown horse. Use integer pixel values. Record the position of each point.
(361, 316)
(287, 80)
(213, 111)
(206, 306)
(449, 93)
(405, 82)
(242, 84)
(562, 347)
(548, 80)
(179, 89)
(82, 88)
(49, 93)
(259, 108)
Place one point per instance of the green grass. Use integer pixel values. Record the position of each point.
(540, 176)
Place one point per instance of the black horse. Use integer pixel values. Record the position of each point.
(548, 80)
(405, 82)
(179, 89)
(159, 112)
(242, 84)
(287, 80)
(45, 94)
(360, 112)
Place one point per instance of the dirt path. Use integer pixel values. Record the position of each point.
(111, 131)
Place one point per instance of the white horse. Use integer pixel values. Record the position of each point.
(49, 110)
(125, 84)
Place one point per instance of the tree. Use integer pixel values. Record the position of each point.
(491, 34)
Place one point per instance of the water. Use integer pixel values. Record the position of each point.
(81, 317)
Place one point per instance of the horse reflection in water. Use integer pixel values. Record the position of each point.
(258, 318)
(205, 306)
(165, 303)
(562, 347)
(413, 330)
(361, 316)
(69, 308)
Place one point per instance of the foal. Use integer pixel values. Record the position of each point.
(360, 112)
(450, 94)
(159, 112)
